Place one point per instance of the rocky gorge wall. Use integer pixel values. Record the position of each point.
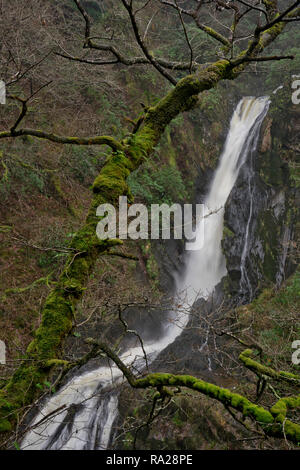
(265, 197)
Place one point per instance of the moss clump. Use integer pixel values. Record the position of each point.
(5, 425)
(279, 411)
(56, 323)
(111, 182)
(250, 363)
(223, 395)
(20, 390)
(227, 233)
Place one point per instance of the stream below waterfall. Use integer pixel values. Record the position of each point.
(91, 398)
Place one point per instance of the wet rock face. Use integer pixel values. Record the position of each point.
(264, 198)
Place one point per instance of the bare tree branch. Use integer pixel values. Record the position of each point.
(158, 63)
(96, 140)
(121, 59)
(254, 7)
(278, 18)
(264, 418)
(194, 14)
(142, 45)
(186, 37)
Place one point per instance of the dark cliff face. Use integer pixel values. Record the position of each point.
(261, 212)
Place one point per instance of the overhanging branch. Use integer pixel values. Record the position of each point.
(96, 140)
(158, 63)
(129, 61)
(271, 421)
(14, 132)
(142, 44)
(278, 18)
(242, 60)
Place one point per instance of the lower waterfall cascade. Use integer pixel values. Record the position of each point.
(90, 399)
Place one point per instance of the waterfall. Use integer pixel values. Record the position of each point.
(87, 406)
(206, 267)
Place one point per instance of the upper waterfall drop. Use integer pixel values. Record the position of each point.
(88, 423)
(205, 268)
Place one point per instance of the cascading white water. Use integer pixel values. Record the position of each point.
(91, 399)
(206, 267)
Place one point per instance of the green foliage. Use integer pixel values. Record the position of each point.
(128, 441)
(93, 8)
(227, 232)
(272, 335)
(54, 236)
(28, 177)
(177, 122)
(290, 296)
(177, 420)
(151, 263)
(152, 268)
(82, 164)
(45, 385)
(175, 46)
(285, 45)
(276, 314)
(110, 108)
(210, 103)
(157, 185)
(295, 172)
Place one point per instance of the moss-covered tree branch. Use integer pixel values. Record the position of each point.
(96, 140)
(271, 422)
(247, 358)
(20, 290)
